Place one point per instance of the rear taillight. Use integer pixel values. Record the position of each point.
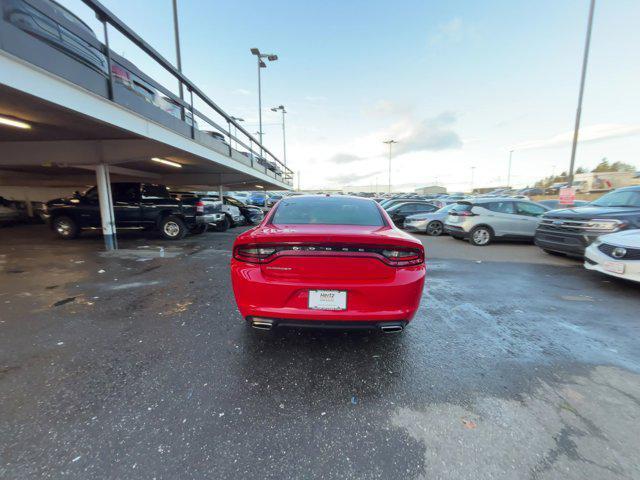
(401, 257)
(253, 253)
(397, 257)
(120, 74)
(464, 214)
(199, 207)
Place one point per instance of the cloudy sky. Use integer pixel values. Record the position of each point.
(457, 83)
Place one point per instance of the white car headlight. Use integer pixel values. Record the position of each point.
(603, 225)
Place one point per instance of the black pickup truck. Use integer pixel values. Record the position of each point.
(136, 206)
(571, 230)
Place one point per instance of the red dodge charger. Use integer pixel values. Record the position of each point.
(327, 261)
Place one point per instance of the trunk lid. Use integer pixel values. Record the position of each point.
(326, 253)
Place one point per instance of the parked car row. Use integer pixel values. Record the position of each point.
(604, 232)
(145, 206)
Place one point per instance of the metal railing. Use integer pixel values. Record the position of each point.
(257, 154)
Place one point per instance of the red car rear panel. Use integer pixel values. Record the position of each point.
(327, 257)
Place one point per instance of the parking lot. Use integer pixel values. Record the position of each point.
(136, 364)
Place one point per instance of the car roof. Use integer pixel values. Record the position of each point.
(494, 199)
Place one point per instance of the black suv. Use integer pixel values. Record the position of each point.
(136, 206)
(571, 230)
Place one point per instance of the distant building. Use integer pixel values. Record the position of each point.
(431, 189)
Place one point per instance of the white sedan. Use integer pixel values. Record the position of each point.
(616, 254)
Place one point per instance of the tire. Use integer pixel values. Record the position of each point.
(198, 229)
(66, 227)
(172, 228)
(223, 226)
(435, 228)
(480, 236)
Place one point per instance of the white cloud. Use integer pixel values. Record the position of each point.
(591, 133)
(342, 158)
(349, 178)
(242, 91)
(433, 134)
(450, 31)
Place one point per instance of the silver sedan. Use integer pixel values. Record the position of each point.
(429, 223)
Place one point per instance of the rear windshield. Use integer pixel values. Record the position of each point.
(461, 207)
(327, 211)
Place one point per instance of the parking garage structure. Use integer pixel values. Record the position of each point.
(73, 114)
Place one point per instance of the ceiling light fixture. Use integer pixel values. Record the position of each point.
(166, 162)
(14, 123)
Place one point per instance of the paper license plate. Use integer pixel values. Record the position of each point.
(327, 300)
(614, 267)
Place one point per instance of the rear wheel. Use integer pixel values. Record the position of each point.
(435, 228)
(172, 228)
(66, 227)
(480, 236)
(223, 226)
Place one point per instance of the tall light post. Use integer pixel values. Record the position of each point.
(235, 129)
(176, 32)
(389, 142)
(272, 58)
(284, 137)
(585, 60)
(509, 170)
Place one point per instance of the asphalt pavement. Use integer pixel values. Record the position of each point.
(519, 365)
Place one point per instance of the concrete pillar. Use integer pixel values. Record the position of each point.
(107, 216)
(221, 193)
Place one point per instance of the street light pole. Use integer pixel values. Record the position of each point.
(585, 60)
(260, 63)
(176, 31)
(389, 142)
(284, 137)
(509, 171)
(272, 58)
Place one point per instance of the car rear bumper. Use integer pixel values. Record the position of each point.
(209, 218)
(284, 300)
(455, 231)
(416, 226)
(335, 324)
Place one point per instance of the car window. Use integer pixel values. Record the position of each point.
(232, 201)
(91, 194)
(409, 208)
(460, 207)
(327, 211)
(624, 198)
(498, 207)
(152, 191)
(529, 209)
(124, 192)
(60, 10)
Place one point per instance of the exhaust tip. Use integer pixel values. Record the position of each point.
(262, 324)
(391, 328)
